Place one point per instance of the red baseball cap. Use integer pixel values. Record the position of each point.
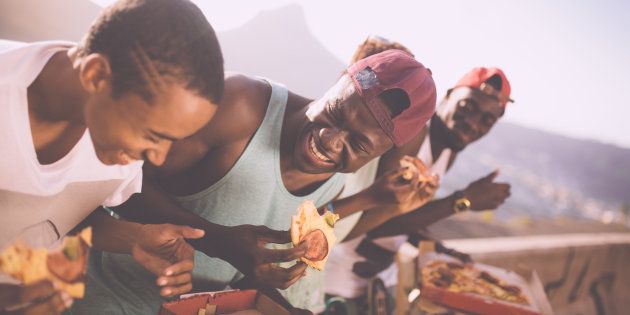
(477, 78)
(396, 69)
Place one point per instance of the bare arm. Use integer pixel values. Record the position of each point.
(154, 206)
(369, 220)
(242, 246)
(411, 222)
(378, 214)
(112, 235)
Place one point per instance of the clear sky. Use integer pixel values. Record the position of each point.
(568, 60)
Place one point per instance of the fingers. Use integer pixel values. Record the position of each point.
(176, 290)
(281, 255)
(282, 278)
(420, 165)
(297, 269)
(273, 236)
(178, 268)
(503, 191)
(465, 258)
(299, 311)
(396, 176)
(490, 177)
(182, 231)
(192, 233)
(39, 290)
(176, 279)
(56, 303)
(34, 303)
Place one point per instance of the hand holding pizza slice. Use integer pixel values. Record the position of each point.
(414, 166)
(315, 232)
(65, 266)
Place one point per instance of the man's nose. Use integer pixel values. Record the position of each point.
(474, 123)
(332, 139)
(157, 155)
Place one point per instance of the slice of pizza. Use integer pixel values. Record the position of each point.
(65, 266)
(307, 226)
(414, 166)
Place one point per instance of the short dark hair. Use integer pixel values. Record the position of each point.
(374, 45)
(396, 100)
(145, 40)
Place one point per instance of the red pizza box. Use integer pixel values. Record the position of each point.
(478, 304)
(223, 302)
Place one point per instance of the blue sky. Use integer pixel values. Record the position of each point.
(568, 61)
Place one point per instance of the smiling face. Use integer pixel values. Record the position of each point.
(128, 127)
(340, 135)
(468, 115)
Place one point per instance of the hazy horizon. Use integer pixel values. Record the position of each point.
(566, 60)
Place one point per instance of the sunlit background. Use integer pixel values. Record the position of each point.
(564, 145)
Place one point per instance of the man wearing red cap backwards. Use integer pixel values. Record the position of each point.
(242, 177)
(467, 113)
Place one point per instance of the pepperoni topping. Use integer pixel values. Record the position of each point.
(68, 269)
(316, 245)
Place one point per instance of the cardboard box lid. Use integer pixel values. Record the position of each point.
(226, 302)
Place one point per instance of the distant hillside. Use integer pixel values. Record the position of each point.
(550, 174)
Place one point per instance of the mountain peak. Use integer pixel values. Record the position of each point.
(288, 17)
(279, 45)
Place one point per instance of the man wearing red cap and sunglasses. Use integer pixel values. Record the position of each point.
(468, 112)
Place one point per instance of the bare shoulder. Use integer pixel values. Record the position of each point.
(241, 110)
(239, 114)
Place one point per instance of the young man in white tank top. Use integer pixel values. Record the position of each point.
(467, 113)
(76, 123)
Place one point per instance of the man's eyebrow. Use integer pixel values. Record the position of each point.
(163, 136)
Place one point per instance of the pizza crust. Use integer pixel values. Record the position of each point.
(414, 167)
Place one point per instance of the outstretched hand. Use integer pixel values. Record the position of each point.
(485, 194)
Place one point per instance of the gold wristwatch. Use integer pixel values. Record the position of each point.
(461, 202)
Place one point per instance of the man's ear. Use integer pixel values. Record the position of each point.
(502, 112)
(95, 73)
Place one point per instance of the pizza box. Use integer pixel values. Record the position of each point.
(242, 302)
(528, 281)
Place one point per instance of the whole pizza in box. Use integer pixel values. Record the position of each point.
(476, 288)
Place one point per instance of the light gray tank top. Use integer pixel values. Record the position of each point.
(252, 192)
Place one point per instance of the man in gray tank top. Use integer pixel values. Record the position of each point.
(243, 175)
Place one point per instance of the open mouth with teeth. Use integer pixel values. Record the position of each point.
(316, 152)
